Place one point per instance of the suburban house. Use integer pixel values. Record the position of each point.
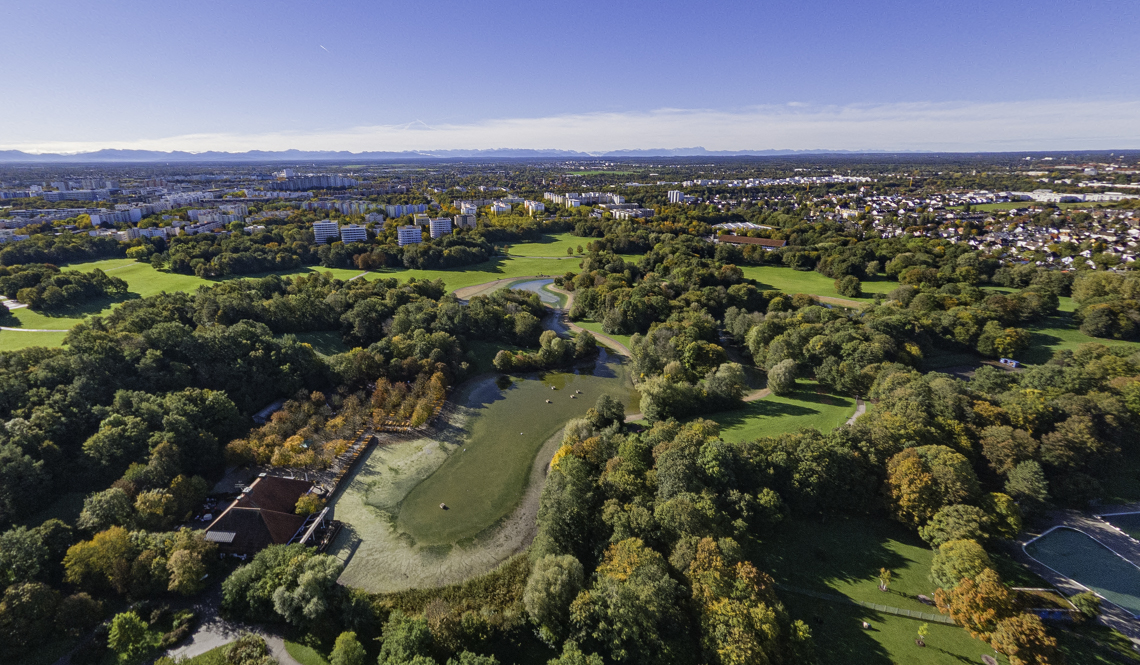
(264, 514)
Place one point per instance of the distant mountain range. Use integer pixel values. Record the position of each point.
(293, 156)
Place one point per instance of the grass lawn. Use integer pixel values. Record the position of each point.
(215, 656)
(843, 556)
(484, 480)
(552, 244)
(479, 273)
(595, 327)
(1060, 333)
(809, 281)
(775, 415)
(305, 655)
(837, 631)
(324, 342)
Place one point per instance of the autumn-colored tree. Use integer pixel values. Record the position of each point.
(976, 604)
(104, 559)
(740, 614)
(1023, 639)
(309, 504)
(884, 579)
(912, 488)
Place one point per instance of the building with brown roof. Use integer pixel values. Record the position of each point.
(263, 515)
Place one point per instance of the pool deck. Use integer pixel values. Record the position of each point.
(1113, 616)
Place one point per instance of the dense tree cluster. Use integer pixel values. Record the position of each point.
(43, 286)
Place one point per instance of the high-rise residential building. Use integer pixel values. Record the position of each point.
(421, 220)
(325, 231)
(465, 221)
(500, 207)
(353, 233)
(409, 235)
(468, 209)
(440, 226)
(534, 206)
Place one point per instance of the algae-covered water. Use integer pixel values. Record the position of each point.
(509, 421)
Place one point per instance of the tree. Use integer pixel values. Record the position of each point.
(1087, 603)
(1003, 514)
(23, 556)
(1023, 639)
(957, 560)
(976, 604)
(884, 579)
(128, 636)
(105, 559)
(26, 615)
(554, 583)
(312, 595)
(309, 504)
(78, 613)
(347, 650)
(572, 655)
(632, 599)
(186, 570)
(849, 286)
(605, 412)
(248, 649)
(405, 639)
(1004, 447)
(923, 630)
(103, 510)
(1027, 483)
(955, 523)
(782, 377)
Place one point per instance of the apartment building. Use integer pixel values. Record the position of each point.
(464, 221)
(353, 233)
(325, 231)
(409, 235)
(440, 227)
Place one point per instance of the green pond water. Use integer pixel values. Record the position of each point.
(484, 478)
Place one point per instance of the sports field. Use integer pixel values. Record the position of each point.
(1079, 557)
(774, 414)
(1129, 523)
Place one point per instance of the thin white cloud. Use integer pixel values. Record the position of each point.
(965, 126)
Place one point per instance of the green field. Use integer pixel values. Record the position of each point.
(304, 655)
(595, 327)
(1079, 557)
(843, 556)
(483, 482)
(479, 273)
(809, 281)
(552, 244)
(1060, 333)
(775, 414)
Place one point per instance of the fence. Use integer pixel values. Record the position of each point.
(897, 611)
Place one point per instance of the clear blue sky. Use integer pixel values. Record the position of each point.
(275, 74)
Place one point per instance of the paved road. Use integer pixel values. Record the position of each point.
(1112, 616)
(214, 631)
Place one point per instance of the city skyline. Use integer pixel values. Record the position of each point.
(367, 76)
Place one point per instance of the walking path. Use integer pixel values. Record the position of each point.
(836, 598)
(31, 329)
(606, 339)
(860, 409)
(1128, 548)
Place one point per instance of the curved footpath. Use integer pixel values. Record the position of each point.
(1125, 546)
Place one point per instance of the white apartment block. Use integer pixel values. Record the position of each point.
(468, 209)
(534, 206)
(353, 233)
(440, 227)
(326, 230)
(500, 207)
(409, 235)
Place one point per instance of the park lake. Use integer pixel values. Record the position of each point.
(486, 463)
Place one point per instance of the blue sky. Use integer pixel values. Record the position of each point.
(376, 75)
